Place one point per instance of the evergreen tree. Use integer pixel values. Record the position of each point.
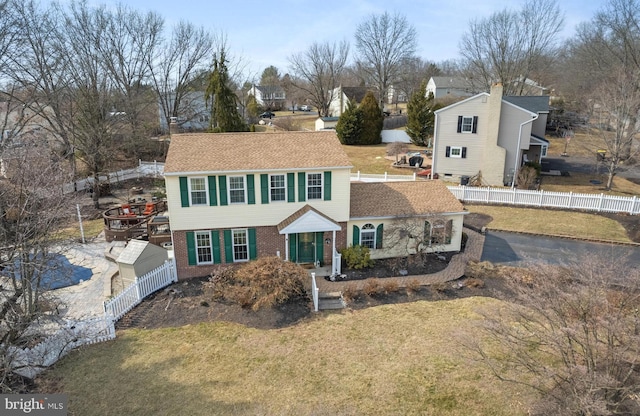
(349, 127)
(420, 117)
(372, 120)
(224, 108)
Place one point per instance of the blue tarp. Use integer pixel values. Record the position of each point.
(56, 272)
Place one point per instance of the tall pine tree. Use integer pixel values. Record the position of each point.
(349, 126)
(372, 120)
(420, 117)
(224, 108)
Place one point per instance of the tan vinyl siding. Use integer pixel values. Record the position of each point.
(258, 214)
(474, 142)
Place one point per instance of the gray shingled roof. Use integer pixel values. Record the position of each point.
(533, 103)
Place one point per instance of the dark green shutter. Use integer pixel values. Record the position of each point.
(222, 182)
(427, 232)
(253, 249)
(184, 191)
(228, 247)
(213, 192)
(302, 187)
(264, 188)
(293, 247)
(251, 190)
(215, 244)
(320, 248)
(356, 235)
(379, 236)
(291, 187)
(191, 248)
(327, 186)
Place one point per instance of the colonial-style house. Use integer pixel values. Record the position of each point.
(234, 197)
(491, 135)
(341, 96)
(450, 86)
(271, 97)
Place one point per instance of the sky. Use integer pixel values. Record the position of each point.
(267, 32)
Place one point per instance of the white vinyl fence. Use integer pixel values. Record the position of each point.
(141, 288)
(566, 200)
(29, 362)
(144, 169)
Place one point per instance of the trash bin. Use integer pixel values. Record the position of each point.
(464, 180)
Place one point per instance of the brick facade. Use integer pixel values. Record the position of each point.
(268, 243)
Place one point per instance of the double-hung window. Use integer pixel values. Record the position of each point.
(198, 191)
(236, 190)
(203, 247)
(467, 124)
(368, 236)
(314, 186)
(277, 188)
(456, 151)
(240, 245)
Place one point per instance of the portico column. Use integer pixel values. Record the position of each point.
(286, 247)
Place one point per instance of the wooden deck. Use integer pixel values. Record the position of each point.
(129, 221)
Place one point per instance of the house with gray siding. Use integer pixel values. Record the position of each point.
(489, 135)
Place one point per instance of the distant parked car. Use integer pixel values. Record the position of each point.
(267, 114)
(305, 108)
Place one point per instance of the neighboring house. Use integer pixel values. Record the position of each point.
(271, 97)
(489, 134)
(233, 197)
(193, 113)
(525, 86)
(341, 97)
(396, 95)
(326, 123)
(449, 87)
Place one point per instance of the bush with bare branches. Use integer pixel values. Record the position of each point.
(263, 283)
(572, 334)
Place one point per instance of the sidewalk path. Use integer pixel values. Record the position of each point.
(455, 269)
(86, 299)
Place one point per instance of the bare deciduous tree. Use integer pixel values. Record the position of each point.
(620, 101)
(508, 46)
(384, 43)
(182, 60)
(318, 72)
(572, 333)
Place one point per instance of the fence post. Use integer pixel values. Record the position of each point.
(315, 290)
(570, 199)
(633, 205)
(541, 197)
(513, 196)
(138, 297)
(385, 176)
(601, 202)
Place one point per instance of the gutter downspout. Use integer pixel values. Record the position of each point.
(518, 158)
(433, 146)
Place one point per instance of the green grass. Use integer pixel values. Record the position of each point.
(389, 360)
(544, 221)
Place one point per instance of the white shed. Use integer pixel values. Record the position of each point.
(139, 258)
(324, 123)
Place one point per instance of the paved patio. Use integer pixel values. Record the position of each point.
(455, 269)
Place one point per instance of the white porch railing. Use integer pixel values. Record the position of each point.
(314, 291)
(567, 200)
(336, 264)
(142, 287)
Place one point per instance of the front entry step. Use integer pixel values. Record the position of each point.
(331, 300)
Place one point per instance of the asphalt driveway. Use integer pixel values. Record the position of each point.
(521, 249)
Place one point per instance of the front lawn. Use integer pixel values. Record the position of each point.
(386, 360)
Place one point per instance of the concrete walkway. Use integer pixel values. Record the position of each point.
(86, 298)
(455, 269)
